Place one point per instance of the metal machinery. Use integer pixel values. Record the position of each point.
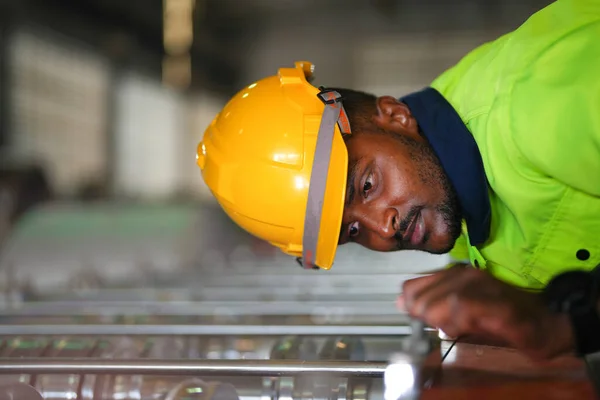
(128, 368)
(199, 325)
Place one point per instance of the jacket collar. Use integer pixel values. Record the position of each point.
(459, 155)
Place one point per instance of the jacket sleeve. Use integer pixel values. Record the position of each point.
(554, 107)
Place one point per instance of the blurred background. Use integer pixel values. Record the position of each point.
(102, 104)
(104, 217)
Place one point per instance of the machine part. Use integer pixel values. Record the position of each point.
(294, 348)
(358, 389)
(231, 352)
(285, 388)
(341, 392)
(419, 342)
(225, 347)
(137, 387)
(402, 377)
(22, 347)
(321, 386)
(19, 391)
(124, 347)
(340, 348)
(221, 388)
(214, 348)
(247, 347)
(167, 347)
(289, 348)
(58, 387)
(196, 389)
(377, 348)
(189, 367)
(209, 330)
(270, 388)
(206, 308)
(343, 348)
(411, 371)
(125, 387)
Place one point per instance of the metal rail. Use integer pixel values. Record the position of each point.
(300, 281)
(207, 330)
(204, 308)
(189, 367)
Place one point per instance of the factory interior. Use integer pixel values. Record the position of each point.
(120, 275)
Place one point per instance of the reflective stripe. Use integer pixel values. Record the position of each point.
(333, 114)
(318, 182)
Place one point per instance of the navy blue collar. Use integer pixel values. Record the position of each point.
(458, 152)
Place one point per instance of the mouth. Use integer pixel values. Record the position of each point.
(415, 233)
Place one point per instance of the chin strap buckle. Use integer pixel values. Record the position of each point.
(301, 263)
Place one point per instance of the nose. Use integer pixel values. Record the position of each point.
(384, 224)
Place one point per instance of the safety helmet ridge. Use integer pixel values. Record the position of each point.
(275, 160)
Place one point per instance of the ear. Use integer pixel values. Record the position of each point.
(393, 115)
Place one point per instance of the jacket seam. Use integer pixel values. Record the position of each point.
(547, 230)
(477, 112)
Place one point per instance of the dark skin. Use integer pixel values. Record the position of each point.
(466, 301)
(399, 197)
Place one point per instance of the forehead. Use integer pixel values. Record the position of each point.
(368, 144)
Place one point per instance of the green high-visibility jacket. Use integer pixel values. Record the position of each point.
(531, 99)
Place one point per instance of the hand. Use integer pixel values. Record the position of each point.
(463, 300)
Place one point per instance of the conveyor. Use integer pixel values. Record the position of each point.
(121, 368)
(154, 314)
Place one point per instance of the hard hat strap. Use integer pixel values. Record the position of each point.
(332, 97)
(332, 115)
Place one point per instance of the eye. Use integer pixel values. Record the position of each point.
(368, 185)
(353, 229)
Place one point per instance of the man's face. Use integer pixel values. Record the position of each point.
(398, 196)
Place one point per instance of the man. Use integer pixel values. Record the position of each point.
(503, 148)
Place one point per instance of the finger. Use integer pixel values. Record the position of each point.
(400, 303)
(413, 286)
(416, 283)
(440, 313)
(410, 286)
(418, 294)
(457, 315)
(427, 296)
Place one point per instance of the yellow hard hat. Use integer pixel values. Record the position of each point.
(275, 160)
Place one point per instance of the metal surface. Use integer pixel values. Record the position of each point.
(109, 378)
(405, 376)
(242, 330)
(84, 383)
(196, 389)
(351, 348)
(125, 387)
(190, 308)
(419, 341)
(188, 367)
(19, 391)
(343, 348)
(247, 320)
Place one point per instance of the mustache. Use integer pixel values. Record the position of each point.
(403, 227)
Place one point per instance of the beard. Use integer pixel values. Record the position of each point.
(432, 173)
(452, 214)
